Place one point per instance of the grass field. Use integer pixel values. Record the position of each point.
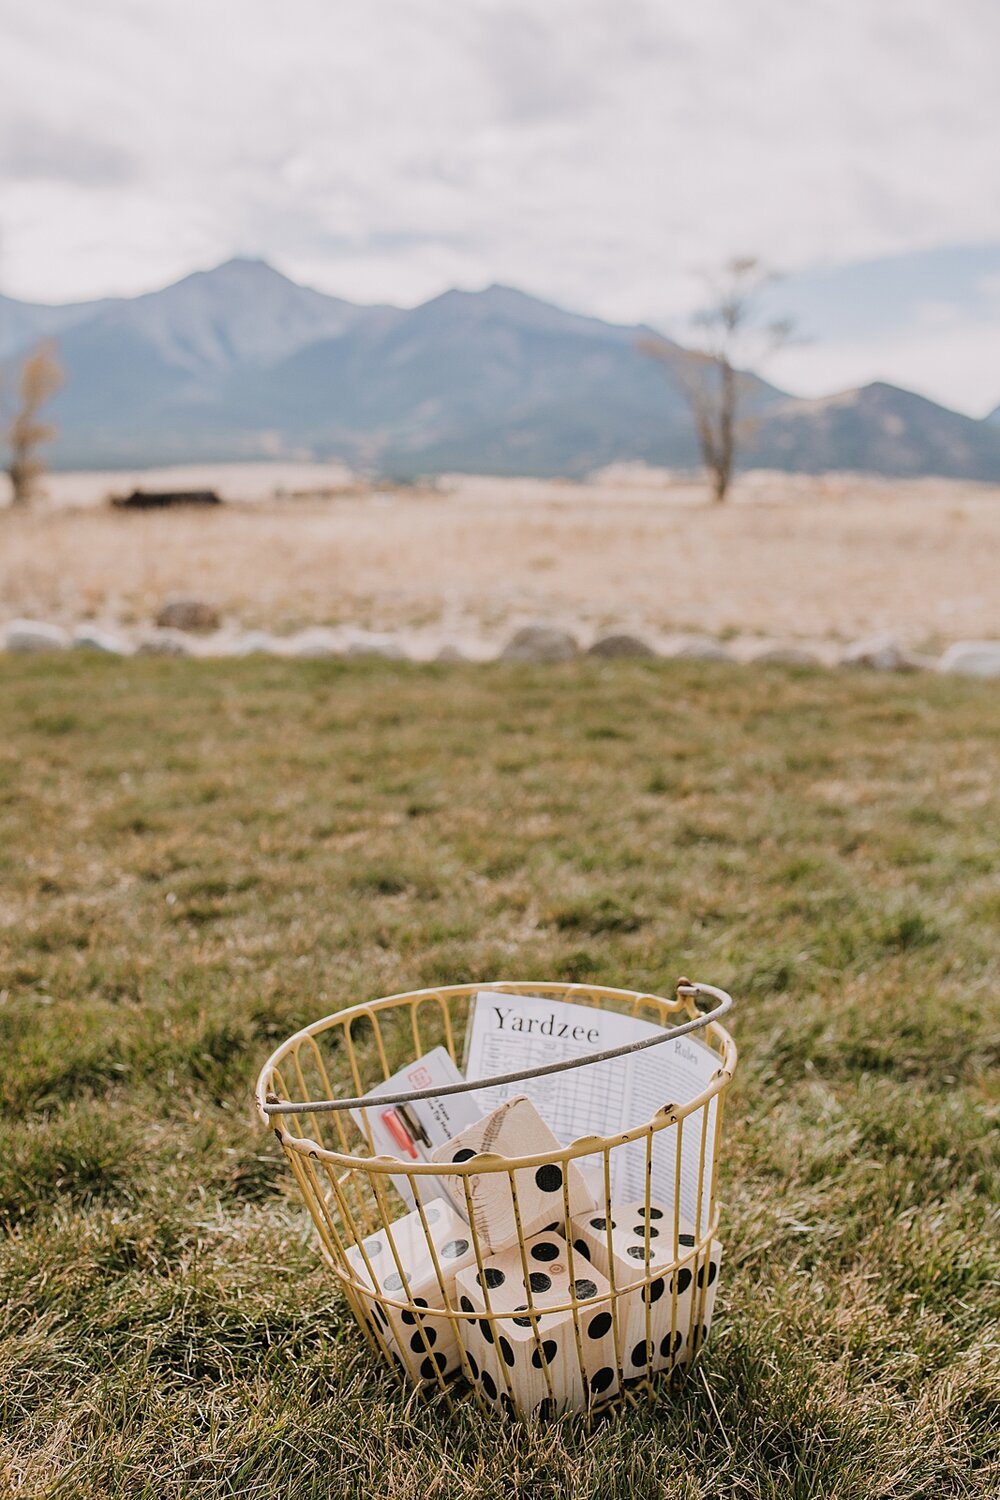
(198, 857)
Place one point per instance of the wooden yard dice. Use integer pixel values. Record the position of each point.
(514, 1128)
(424, 1344)
(532, 1364)
(680, 1302)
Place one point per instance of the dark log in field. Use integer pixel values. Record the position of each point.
(161, 499)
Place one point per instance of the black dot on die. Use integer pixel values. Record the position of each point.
(509, 1408)
(654, 1291)
(545, 1251)
(539, 1282)
(430, 1366)
(712, 1270)
(409, 1317)
(654, 1213)
(374, 1247)
(545, 1411)
(665, 1349)
(549, 1177)
(637, 1252)
(417, 1341)
(466, 1305)
(602, 1379)
(601, 1223)
(466, 1154)
(599, 1325)
(473, 1367)
(505, 1350)
(489, 1385)
(642, 1353)
(683, 1280)
(687, 1240)
(454, 1249)
(381, 1316)
(551, 1228)
(641, 1230)
(584, 1289)
(490, 1277)
(432, 1215)
(486, 1329)
(521, 1322)
(582, 1248)
(393, 1282)
(546, 1354)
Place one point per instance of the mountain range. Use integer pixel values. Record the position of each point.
(240, 362)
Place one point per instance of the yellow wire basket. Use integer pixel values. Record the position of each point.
(616, 1291)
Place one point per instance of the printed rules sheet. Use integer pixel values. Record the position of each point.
(509, 1032)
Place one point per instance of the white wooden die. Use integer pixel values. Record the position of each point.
(530, 1364)
(514, 1128)
(680, 1302)
(425, 1345)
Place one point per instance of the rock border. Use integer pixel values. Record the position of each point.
(539, 643)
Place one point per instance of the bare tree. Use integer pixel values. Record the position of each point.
(41, 376)
(713, 378)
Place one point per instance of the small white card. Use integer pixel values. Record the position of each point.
(411, 1132)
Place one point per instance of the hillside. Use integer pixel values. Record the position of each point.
(240, 362)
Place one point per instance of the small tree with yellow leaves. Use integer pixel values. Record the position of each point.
(40, 377)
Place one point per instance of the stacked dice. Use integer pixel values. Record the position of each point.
(666, 1319)
(423, 1343)
(529, 1360)
(487, 1199)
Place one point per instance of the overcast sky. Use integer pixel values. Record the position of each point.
(595, 152)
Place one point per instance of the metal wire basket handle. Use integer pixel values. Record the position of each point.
(685, 987)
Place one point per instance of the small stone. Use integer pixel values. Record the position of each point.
(880, 653)
(255, 643)
(698, 648)
(540, 643)
(782, 656)
(375, 645)
(35, 635)
(615, 647)
(972, 659)
(92, 638)
(164, 643)
(316, 645)
(188, 614)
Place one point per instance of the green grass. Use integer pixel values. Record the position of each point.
(196, 858)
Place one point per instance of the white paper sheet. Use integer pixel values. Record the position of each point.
(509, 1032)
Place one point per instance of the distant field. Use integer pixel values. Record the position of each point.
(820, 560)
(198, 857)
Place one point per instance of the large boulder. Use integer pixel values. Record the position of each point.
(881, 653)
(972, 659)
(617, 647)
(188, 614)
(540, 643)
(35, 635)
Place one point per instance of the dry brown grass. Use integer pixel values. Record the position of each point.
(791, 557)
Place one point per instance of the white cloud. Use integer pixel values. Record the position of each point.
(593, 151)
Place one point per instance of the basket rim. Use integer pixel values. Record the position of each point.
(669, 1114)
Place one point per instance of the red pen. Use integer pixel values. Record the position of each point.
(399, 1133)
